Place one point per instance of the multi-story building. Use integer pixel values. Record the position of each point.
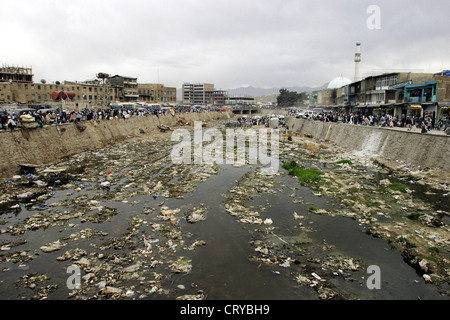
(196, 93)
(90, 93)
(157, 93)
(386, 89)
(428, 99)
(27, 93)
(126, 88)
(11, 80)
(216, 97)
(16, 74)
(17, 86)
(398, 93)
(443, 94)
(240, 101)
(203, 94)
(85, 94)
(326, 97)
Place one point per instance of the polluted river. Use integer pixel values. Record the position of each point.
(125, 222)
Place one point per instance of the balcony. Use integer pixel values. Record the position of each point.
(131, 94)
(371, 103)
(130, 82)
(420, 99)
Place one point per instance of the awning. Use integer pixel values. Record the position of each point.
(444, 104)
(400, 85)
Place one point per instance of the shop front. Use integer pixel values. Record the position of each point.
(415, 110)
(443, 111)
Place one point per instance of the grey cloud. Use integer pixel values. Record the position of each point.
(229, 43)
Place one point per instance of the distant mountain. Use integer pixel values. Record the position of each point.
(256, 92)
(261, 92)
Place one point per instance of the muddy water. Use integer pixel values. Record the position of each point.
(347, 237)
(222, 265)
(223, 268)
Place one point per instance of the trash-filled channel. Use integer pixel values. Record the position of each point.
(137, 226)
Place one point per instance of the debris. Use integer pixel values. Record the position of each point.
(111, 290)
(316, 276)
(427, 278)
(54, 246)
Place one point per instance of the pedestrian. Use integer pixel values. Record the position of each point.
(424, 130)
(430, 123)
(10, 123)
(447, 123)
(408, 123)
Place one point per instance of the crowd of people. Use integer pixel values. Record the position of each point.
(11, 120)
(383, 120)
(14, 119)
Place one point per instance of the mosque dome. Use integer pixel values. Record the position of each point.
(338, 82)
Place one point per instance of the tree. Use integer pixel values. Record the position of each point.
(288, 98)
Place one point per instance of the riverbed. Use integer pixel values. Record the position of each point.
(137, 226)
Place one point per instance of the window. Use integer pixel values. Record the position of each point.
(386, 81)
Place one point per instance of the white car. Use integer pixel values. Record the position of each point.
(308, 114)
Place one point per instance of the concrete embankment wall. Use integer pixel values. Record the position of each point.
(51, 143)
(426, 150)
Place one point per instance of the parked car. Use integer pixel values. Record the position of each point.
(309, 113)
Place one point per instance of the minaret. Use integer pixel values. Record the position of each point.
(357, 60)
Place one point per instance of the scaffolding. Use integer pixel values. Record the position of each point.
(16, 74)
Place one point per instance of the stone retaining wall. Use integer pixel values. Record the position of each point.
(49, 144)
(426, 150)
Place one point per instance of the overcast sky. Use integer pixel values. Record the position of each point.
(231, 43)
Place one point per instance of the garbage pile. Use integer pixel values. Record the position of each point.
(78, 209)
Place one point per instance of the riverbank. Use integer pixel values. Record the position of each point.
(405, 204)
(49, 144)
(406, 147)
